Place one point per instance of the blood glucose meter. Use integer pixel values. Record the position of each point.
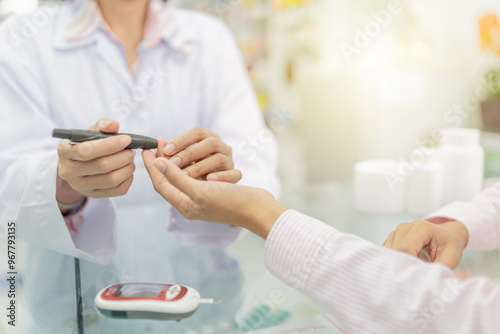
(148, 301)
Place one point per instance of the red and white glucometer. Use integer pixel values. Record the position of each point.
(148, 301)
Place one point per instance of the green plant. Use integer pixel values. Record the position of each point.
(493, 82)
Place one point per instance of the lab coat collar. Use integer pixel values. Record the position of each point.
(79, 23)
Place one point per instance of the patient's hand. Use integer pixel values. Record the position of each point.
(220, 202)
(443, 243)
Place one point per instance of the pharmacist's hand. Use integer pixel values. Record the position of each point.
(443, 243)
(201, 154)
(220, 202)
(98, 168)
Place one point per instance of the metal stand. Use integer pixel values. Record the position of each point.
(79, 305)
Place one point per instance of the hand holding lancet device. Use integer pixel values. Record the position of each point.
(79, 136)
(149, 301)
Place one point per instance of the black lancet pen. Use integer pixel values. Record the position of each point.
(79, 136)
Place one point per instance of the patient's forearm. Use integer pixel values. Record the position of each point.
(263, 215)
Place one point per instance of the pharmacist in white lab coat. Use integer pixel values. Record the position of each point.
(65, 66)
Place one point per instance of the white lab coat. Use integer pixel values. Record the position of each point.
(48, 82)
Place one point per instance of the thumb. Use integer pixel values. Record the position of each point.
(162, 142)
(178, 178)
(106, 125)
(449, 256)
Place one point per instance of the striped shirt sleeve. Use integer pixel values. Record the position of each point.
(371, 289)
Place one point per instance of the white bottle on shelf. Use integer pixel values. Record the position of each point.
(462, 159)
(373, 192)
(424, 189)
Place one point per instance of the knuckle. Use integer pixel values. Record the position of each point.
(421, 224)
(124, 186)
(61, 149)
(63, 172)
(104, 165)
(228, 163)
(73, 165)
(214, 144)
(402, 227)
(186, 156)
(199, 131)
(194, 170)
(121, 190)
(202, 131)
(77, 184)
(404, 247)
(223, 161)
(83, 150)
(114, 180)
(131, 156)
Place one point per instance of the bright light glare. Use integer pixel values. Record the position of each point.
(421, 49)
(18, 6)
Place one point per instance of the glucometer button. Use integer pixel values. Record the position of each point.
(173, 292)
(175, 288)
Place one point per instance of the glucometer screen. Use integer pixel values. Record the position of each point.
(139, 290)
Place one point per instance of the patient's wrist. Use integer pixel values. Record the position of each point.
(457, 226)
(461, 230)
(263, 217)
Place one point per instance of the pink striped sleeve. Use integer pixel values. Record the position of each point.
(370, 289)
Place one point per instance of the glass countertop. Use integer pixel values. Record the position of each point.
(252, 299)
